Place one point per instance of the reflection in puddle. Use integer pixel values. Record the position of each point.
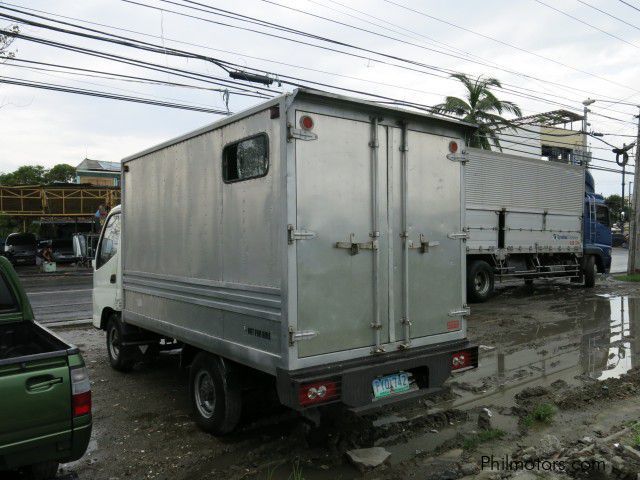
(595, 341)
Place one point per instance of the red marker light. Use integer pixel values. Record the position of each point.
(453, 146)
(306, 122)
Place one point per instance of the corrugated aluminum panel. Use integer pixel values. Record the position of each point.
(496, 180)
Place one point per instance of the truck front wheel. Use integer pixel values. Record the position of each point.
(479, 281)
(42, 471)
(590, 271)
(121, 358)
(215, 394)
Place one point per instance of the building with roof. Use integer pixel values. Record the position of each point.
(99, 173)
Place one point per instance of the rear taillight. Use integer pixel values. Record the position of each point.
(318, 392)
(80, 391)
(463, 359)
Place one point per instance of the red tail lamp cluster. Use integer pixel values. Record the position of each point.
(462, 360)
(318, 392)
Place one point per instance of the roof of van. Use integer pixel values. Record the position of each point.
(304, 93)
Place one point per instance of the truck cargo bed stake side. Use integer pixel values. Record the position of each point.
(293, 234)
(355, 247)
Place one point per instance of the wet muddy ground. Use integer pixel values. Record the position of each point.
(558, 375)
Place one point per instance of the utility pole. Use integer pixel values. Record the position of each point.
(633, 264)
(585, 129)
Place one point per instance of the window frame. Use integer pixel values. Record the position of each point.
(237, 142)
(12, 293)
(99, 263)
(606, 208)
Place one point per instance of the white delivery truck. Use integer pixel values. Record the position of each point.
(529, 218)
(313, 240)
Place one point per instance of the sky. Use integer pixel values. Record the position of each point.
(545, 59)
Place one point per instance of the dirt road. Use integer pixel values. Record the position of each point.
(557, 366)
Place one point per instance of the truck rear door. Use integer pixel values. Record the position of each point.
(35, 405)
(381, 262)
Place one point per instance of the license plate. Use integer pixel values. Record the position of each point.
(390, 385)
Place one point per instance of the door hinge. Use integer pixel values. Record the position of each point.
(293, 234)
(355, 247)
(461, 157)
(300, 134)
(423, 244)
(458, 235)
(463, 312)
(296, 336)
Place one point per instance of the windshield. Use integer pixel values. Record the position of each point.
(21, 239)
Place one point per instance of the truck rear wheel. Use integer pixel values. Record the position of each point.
(121, 358)
(215, 394)
(590, 271)
(479, 281)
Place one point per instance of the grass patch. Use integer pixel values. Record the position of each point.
(543, 413)
(296, 471)
(471, 443)
(635, 277)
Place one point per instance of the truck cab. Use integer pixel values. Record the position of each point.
(597, 237)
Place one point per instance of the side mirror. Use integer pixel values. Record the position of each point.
(93, 263)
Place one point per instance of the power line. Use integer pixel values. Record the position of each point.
(588, 24)
(306, 34)
(111, 96)
(629, 5)
(608, 14)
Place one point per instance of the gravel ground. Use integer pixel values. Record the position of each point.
(556, 344)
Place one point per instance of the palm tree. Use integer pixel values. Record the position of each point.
(482, 107)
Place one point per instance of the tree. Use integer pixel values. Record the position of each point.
(482, 107)
(6, 39)
(38, 175)
(61, 173)
(616, 208)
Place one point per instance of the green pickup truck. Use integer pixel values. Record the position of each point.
(45, 394)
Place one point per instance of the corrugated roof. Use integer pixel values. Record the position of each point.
(99, 165)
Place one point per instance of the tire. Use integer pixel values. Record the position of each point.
(215, 394)
(42, 471)
(121, 358)
(480, 281)
(590, 271)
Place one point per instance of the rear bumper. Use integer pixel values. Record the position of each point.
(432, 364)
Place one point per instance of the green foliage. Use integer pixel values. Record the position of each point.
(635, 277)
(471, 443)
(38, 175)
(296, 471)
(543, 413)
(616, 207)
(482, 107)
(61, 173)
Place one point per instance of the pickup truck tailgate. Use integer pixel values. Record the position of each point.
(35, 405)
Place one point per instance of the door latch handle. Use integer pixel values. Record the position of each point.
(43, 382)
(112, 278)
(423, 244)
(355, 247)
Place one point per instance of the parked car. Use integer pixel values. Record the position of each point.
(21, 248)
(619, 239)
(62, 251)
(45, 404)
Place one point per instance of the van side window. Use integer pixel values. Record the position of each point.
(602, 215)
(248, 158)
(7, 301)
(109, 241)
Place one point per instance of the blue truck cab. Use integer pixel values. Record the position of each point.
(597, 238)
